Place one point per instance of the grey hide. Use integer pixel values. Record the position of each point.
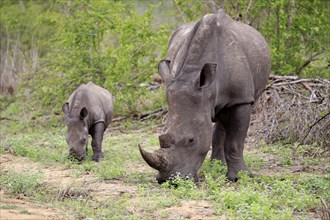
(214, 71)
(89, 110)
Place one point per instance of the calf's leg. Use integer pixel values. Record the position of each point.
(96, 132)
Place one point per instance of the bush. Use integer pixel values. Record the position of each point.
(108, 44)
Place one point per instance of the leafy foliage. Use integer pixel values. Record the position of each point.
(296, 31)
(54, 46)
(106, 43)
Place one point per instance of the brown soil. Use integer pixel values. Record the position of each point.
(196, 210)
(66, 185)
(23, 209)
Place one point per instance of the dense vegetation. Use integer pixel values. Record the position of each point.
(49, 47)
(53, 46)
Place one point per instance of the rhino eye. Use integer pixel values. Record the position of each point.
(83, 141)
(190, 141)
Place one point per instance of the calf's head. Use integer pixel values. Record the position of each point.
(77, 133)
(188, 128)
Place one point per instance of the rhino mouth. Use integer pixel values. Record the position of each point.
(174, 179)
(75, 157)
(167, 169)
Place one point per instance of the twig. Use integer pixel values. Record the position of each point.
(296, 82)
(179, 10)
(326, 211)
(310, 127)
(153, 114)
(284, 77)
(308, 61)
(142, 116)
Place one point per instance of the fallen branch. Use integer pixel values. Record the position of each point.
(276, 77)
(310, 127)
(142, 116)
(325, 210)
(296, 82)
(288, 105)
(155, 113)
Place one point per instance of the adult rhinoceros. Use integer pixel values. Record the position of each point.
(214, 71)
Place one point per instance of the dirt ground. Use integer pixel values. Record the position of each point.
(23, 208)
(66, 184)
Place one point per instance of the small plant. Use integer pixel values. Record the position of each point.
(179, 182)
(9, 207)
(25, 212)
(109, 170)
(25, 182)
(213, 168)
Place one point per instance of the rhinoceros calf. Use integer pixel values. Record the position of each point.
(89, 110)
(214, 71)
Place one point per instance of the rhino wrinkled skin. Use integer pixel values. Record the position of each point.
(214, 71)
(89, 110)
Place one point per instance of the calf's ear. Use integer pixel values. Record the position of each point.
(83, 113)
(65, 108)
(206, 76)
(164, 70)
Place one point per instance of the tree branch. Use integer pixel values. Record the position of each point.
(308, 61)
(179, 10)
(310, 127)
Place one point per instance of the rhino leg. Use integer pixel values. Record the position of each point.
(236, 130)
(218, 142)
(96, 132)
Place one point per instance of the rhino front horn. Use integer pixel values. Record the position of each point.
(156, 160)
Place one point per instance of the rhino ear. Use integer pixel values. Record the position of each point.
(206, 76)
(65, 108)
(164, 70)
(83, 113)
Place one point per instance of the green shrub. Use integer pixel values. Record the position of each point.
(109, 43)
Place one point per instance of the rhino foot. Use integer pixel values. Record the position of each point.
(234, 177)
(233, 171)
(97, 157)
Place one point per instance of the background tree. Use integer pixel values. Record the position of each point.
(53, 46)
(297, 31)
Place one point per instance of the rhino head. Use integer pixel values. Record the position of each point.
(188, 128)
(77, 132)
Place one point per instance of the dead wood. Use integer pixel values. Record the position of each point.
(143, 116)
(294, 110)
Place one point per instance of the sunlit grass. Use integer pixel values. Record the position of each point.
(279, 195)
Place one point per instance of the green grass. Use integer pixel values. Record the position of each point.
(9, 207)
(25, 212)
(277, 195)
(25, 182)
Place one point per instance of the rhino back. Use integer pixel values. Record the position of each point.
(240, 52)
(97, 100)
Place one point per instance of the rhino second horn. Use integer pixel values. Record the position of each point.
(156, 160)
